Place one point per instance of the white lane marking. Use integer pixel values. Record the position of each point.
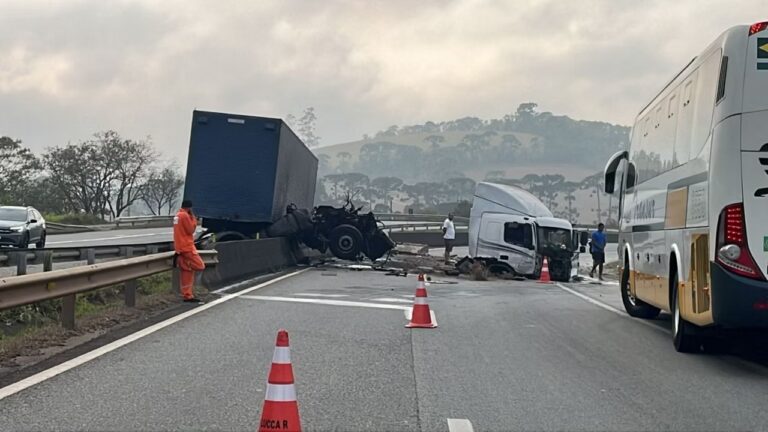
(610, 308)
(409, 314)
(460, 425)
(603, 282)
(393, 300)
(98, 352)
(327, 302)
(323, 295)
(109, 238)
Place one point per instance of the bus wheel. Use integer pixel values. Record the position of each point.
(634, 306)
(685, 338)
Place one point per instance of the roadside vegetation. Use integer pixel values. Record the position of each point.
(27, 329)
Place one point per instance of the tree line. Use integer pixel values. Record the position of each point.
(103, 177)
(387, 193)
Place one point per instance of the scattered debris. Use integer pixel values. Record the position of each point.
(411, 249)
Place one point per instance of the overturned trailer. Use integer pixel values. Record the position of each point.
(244, 172)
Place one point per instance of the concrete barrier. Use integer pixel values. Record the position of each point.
(241, 260)
(432, 239)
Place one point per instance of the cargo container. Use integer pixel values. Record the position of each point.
(244, 171)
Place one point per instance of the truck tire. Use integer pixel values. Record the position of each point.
(345, 242)
(560, 270)
(634, 306)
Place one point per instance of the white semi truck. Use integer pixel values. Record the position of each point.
(511, 230)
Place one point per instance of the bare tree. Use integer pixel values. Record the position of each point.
(161, 192)
(130, 161)
(83, 175)
(307, 128)
(18, 166)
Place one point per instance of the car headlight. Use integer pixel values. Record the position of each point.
(19, 228)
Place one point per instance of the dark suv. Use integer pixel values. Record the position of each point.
(21, 226)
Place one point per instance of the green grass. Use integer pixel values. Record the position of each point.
(21, 323)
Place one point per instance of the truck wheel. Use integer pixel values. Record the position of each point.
(685, 338)
(560, 271)
(345, 241)
(634, 306)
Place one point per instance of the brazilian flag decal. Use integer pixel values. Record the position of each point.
(762, 48)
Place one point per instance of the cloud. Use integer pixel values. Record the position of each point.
(140, 67)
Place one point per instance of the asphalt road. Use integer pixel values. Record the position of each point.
(507, 356)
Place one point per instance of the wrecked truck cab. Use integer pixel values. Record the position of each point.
(511, 229)
(343, 230)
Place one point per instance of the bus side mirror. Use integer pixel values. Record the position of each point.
(583, 238)
(610, 170)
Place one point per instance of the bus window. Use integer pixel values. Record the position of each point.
(684, 120)
(721, 80)
(704, 102)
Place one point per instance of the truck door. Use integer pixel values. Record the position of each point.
(508, 238)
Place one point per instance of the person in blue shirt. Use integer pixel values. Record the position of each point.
(597, 249)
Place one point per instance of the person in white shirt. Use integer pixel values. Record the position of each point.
(449, 237)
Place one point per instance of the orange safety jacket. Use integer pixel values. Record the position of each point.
(184, 225)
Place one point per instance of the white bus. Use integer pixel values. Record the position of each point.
(693, 190)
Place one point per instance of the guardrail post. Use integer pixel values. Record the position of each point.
(129, 287)
(47, 261)
(176, 280)
(21, 263)
(68, 311)
(90, 256)
(152, 249)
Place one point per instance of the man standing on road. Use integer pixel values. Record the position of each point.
(449, 237)
(597, 248)
(187, 258)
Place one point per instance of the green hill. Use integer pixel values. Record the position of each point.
(521, 143)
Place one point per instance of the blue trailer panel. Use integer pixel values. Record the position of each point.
(242, 171)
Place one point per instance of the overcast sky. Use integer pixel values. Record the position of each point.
(70, 68)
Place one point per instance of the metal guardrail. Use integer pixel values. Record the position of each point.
(418, 217)
(427, 226)
(143, 221)
(66, 284)
(21, 258)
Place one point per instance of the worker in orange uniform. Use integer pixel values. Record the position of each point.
(187, 258)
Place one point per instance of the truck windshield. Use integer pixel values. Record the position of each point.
(554, 239)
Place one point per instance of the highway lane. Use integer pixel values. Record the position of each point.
(108, 238)
(507, 356)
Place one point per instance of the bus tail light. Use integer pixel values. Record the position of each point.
(732, 249)
(758, 27)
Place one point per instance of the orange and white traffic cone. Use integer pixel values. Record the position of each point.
(281, 410)
(421, 317)
(545, 272)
